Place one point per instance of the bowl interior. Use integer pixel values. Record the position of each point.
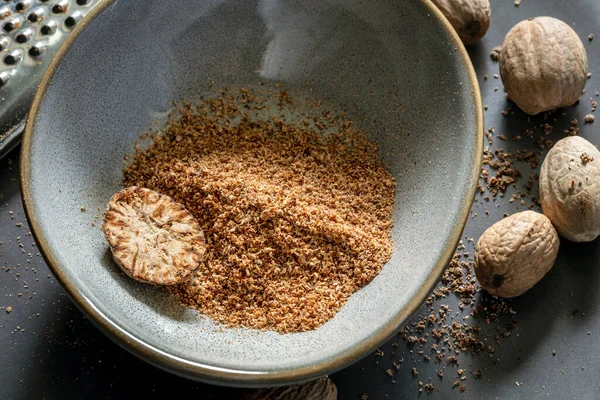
(392, 61)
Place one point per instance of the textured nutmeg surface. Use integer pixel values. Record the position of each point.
(570, 188)
(153, 238)
(469, 18)
(515, 253)
(543, 65)
(320, 389)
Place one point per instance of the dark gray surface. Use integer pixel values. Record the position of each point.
(49, 350)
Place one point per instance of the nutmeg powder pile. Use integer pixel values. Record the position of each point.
(296, 207)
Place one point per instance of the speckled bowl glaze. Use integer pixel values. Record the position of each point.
(398, 62)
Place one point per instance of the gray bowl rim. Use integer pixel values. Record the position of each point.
(217, 375)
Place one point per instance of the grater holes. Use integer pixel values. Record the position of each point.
(37, 50)
(23, 5)
(60, 7)
(13, 57)
(4, 77)
(72, 20)
(5, 11)
(20, 72)
(49, 28)
(9, 27)
(13, 24)
(24, 36)
(36, 15)
(4, 43)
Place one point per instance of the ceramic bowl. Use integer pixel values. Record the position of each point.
(398, 62)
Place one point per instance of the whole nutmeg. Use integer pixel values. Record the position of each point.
(469, 18)
(570, 188)
(543, 65)
(320, 389)
(515, 253)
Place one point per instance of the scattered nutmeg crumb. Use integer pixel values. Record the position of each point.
(585, 158)
(573, 129)
(495, 54)
(428, 387)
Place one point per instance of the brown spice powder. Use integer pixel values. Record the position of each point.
(295, 220)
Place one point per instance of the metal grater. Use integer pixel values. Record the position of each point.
(31, 31)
